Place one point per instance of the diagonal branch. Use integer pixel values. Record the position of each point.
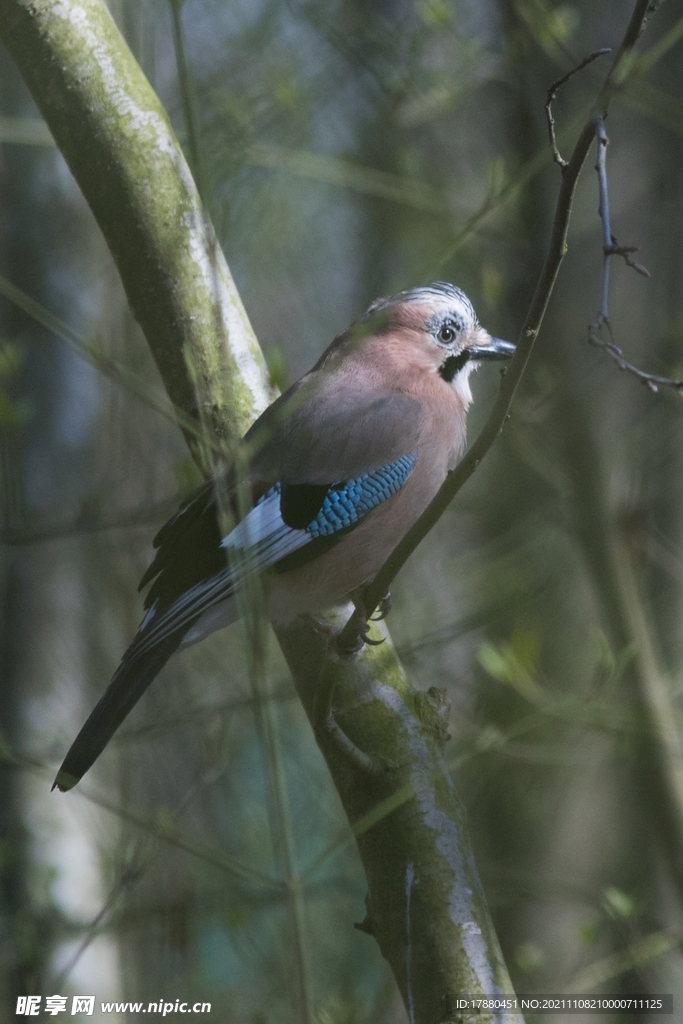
(426, 908)
(118, 143)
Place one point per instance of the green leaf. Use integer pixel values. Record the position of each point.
(589, 933)
(492, 284)
(494, 662)
(11, 357)
(529, 957)
(435, 12)
(617, 903)
(164, 822)
(278, 367)
(187, 475)
(515, 663)
(551, 28)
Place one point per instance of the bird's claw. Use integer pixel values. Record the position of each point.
(349, 647)
(383, 608)
(365, 637)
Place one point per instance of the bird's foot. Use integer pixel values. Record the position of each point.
(324, 716)
(345, 745)
(356, 633)
(342, 644)
(348, 645)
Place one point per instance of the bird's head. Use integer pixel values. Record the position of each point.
(438, 323)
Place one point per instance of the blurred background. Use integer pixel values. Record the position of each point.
(347, 149)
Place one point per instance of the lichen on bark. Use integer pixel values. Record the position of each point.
(426, 907)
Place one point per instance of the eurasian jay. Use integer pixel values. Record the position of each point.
(339, 468)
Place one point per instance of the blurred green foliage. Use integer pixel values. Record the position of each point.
(351, 149)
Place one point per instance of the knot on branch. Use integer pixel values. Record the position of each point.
(626, 251)
(433, 708)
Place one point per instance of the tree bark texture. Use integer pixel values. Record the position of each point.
(426, 908)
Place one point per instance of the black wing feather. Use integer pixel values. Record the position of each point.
(305, 441)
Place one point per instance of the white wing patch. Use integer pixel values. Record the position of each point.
(258, 541)
(262, 538)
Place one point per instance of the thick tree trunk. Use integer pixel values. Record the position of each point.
(425, 905)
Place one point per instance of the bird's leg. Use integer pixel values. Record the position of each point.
(344, 646)
(355, 634)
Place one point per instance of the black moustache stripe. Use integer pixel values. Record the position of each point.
(453, 365)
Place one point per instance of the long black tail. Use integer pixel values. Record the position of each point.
(128, 684)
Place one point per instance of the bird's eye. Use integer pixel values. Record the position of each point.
(447, 333)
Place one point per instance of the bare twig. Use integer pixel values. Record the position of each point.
(650, 380)
(603, 210)
(552, 94)
(610, 248)
(492, 428)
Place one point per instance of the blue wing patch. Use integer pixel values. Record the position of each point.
(347, 502)
(263, 539)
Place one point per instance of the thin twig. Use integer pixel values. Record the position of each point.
(552, 94)
(610, 248)
(603, 211)
(187, 98)
(650, 380)
(493, 426)
(279, 814)
(87, 522)
(282, 834)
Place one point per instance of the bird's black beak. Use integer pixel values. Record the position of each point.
(498, 349)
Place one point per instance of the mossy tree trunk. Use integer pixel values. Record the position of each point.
(425, 904)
